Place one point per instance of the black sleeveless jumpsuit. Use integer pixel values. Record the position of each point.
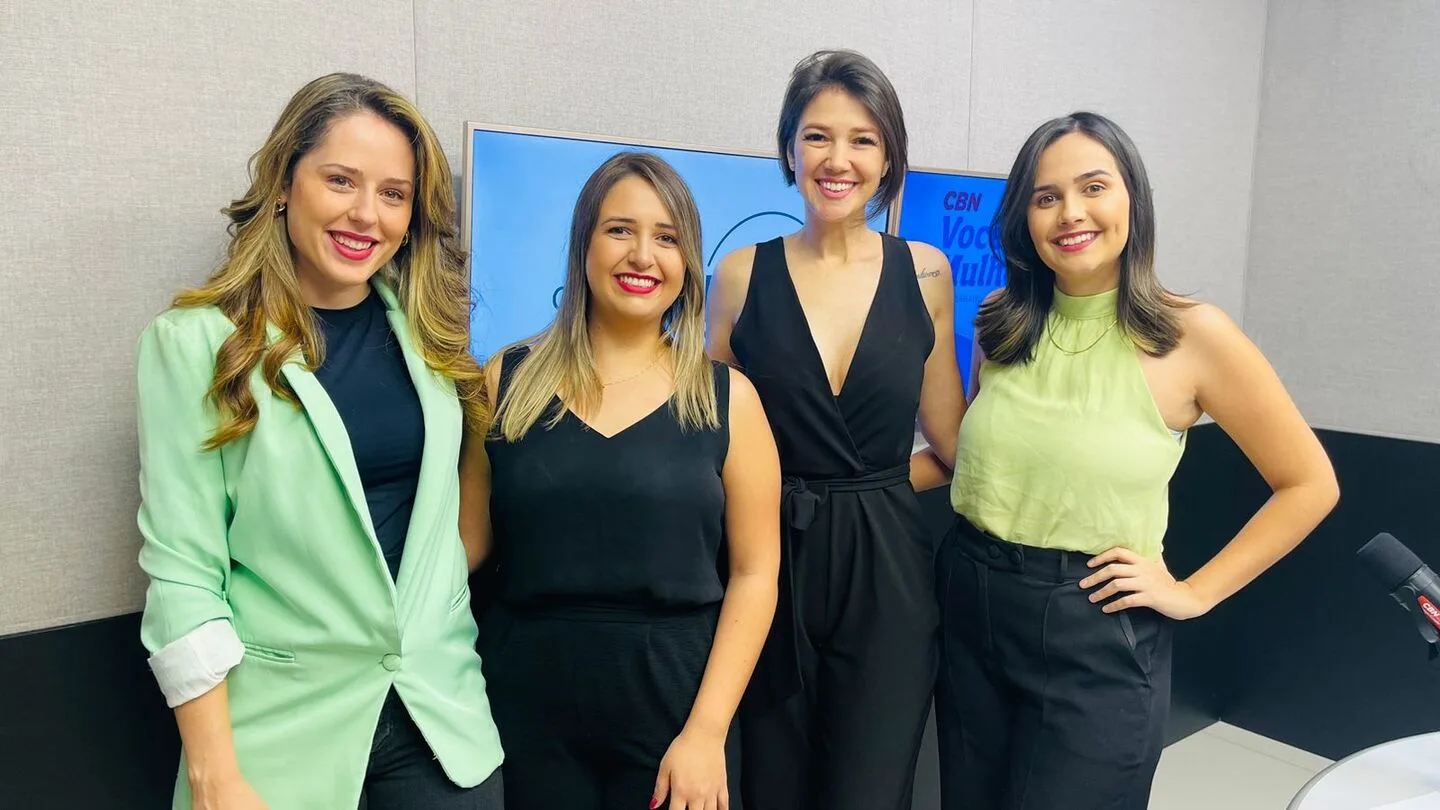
(609, 592)
(835, 712)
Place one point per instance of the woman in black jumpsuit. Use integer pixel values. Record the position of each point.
(836, 709)
(625, 471)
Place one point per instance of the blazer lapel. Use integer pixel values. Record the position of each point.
(438, 465)
(334, 439)
(441, 412)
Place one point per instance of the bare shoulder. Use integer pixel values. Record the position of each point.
(732, 273)
(725, 296)
(744, 399)
(1206, 326)
(930, 262)
(492, 369)
(932, 271)
(492, 378)
(926, 254)
(752, 462)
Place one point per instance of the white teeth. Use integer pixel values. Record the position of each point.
(353, 244)
(637, 281)
(1077, 240)
(834, 186)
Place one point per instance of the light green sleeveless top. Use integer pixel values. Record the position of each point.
(1069, 451)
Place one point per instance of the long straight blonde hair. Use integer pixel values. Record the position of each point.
(561, 360)
(256, 285)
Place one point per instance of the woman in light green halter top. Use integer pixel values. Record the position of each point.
(1068, 451)
(1056, 604)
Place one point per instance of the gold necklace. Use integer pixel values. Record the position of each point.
(632, 376)
(1049, 333)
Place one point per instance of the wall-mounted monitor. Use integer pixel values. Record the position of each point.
(952, 211)
(519, 191)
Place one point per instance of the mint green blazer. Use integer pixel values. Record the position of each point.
(273, 534)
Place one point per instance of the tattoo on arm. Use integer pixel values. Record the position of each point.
(931, 273)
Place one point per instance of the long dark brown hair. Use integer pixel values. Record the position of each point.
(1011, 324)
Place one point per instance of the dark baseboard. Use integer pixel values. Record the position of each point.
(83, 722)
(1317, 655)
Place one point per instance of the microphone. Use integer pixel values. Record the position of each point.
(1409, 581)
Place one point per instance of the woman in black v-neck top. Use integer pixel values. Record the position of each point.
(632, 493)
(839, 701)
(629, 522)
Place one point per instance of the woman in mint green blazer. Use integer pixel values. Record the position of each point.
(300, 422)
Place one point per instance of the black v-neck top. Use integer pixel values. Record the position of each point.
(870, 424)
(365, 376)
(633, 521)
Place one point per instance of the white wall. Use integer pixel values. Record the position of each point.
(125, 131)
(128, 129)
(1344, 277)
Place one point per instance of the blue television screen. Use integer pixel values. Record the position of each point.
(952, 211)
(520, 192)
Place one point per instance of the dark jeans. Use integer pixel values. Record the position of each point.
(405, 775)
(1044, 701)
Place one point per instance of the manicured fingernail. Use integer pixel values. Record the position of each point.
(654, 803)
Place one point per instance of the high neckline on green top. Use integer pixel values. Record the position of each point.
(1085, 307)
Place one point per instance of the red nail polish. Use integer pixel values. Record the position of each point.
(654, 803)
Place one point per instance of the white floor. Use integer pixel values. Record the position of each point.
(1228, 768)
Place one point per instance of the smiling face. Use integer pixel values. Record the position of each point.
(348, 206)
(634, 265)
(1079, 214)
(838, 156)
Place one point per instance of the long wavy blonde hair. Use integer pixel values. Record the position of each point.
(561, 359)
(256, 285)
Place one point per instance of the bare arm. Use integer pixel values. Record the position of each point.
(942, 398)
(1239, 389)
(212, 767)
(475, 530)
(725, 300)
(693, 771)
(752, 529)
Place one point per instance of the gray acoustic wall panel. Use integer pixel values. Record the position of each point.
(1344, 280)
(1182, 78)
(126, 129)
(709, 74)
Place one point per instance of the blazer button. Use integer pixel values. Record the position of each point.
(391, 662)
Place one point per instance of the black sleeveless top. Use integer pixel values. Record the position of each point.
(635, 521)
(870, 426)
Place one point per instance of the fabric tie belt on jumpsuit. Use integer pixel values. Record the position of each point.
(778, 674)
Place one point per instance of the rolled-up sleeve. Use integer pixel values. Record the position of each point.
(184, 514)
